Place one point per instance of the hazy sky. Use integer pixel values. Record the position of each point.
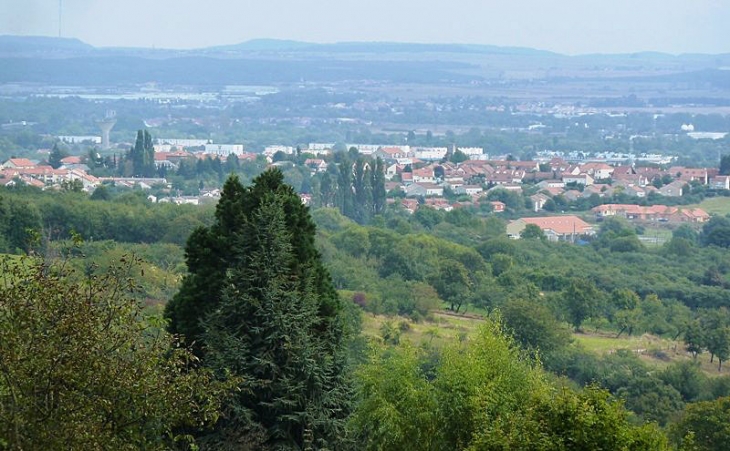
(566, 26)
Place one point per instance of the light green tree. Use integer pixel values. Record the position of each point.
(82, 367)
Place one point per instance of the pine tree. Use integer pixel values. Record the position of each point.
(259, 304)
(55, 157)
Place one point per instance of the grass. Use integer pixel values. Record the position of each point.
(446, 327)
(715, 205)
(442, 329)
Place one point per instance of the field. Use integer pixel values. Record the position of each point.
(446, 327)
(716, 205)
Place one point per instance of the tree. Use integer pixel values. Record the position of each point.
(378, 187)
(707, 422)
(458, 157)
(269, 314)
(582, 300)
(718, 344)
(56, 155)
(533, 231)
(482, 395)
(142, 156)
(82, 367)
(452, 283)
(534, 327)
(694, 338)
(725, 165)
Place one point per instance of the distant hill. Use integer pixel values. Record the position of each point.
(276, 45)
(263, 61)
(42, 45)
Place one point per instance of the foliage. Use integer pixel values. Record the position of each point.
(261, 306)
(534, 327)
(482, 396)
(83, 368)
(708, 423)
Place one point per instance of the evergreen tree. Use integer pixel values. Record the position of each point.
(259, 304)
(55, 157)
(725, 165)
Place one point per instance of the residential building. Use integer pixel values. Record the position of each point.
(556, 228)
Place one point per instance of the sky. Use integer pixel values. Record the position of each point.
(564, 26)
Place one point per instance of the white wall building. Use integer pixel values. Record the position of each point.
(431, 153)
(224, 149)
(78, 139)
(183, 142)
(471, 151)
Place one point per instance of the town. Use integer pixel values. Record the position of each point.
(549, 187)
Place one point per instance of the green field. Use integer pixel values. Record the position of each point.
(446, 327)
(716, 205)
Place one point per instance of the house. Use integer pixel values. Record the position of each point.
(673, 189)
(689, 174)
(316, 164)
(410, 205)
(18, 163)
(572, 195)
(431, 153)
(538, 201)
(601, 190)
(552, 183)
(438, 203)
(393, 153)
(424, 189)
(468, 189)
(691, 215)
(580, 179)
(661, 213)
(720, 182)
(600, 171)
(556, 228)
(474, 153)
(634, 191)
(424, 175)
(497, 206)
(71, 160)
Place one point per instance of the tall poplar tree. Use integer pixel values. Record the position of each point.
(378, 186)
(142, 156)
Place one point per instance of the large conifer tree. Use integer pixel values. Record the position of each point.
(259, 304)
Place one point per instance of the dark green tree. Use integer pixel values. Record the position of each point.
(378, 187)
(259, 304)
(708, 422)
(56, 155)
(345, 197)
(725, 165)
(142, 156)
(362, 185)
(534, 232)
(582, 300)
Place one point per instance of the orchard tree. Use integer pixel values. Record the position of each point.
(582, 301)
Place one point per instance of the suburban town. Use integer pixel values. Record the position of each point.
(418, 177)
